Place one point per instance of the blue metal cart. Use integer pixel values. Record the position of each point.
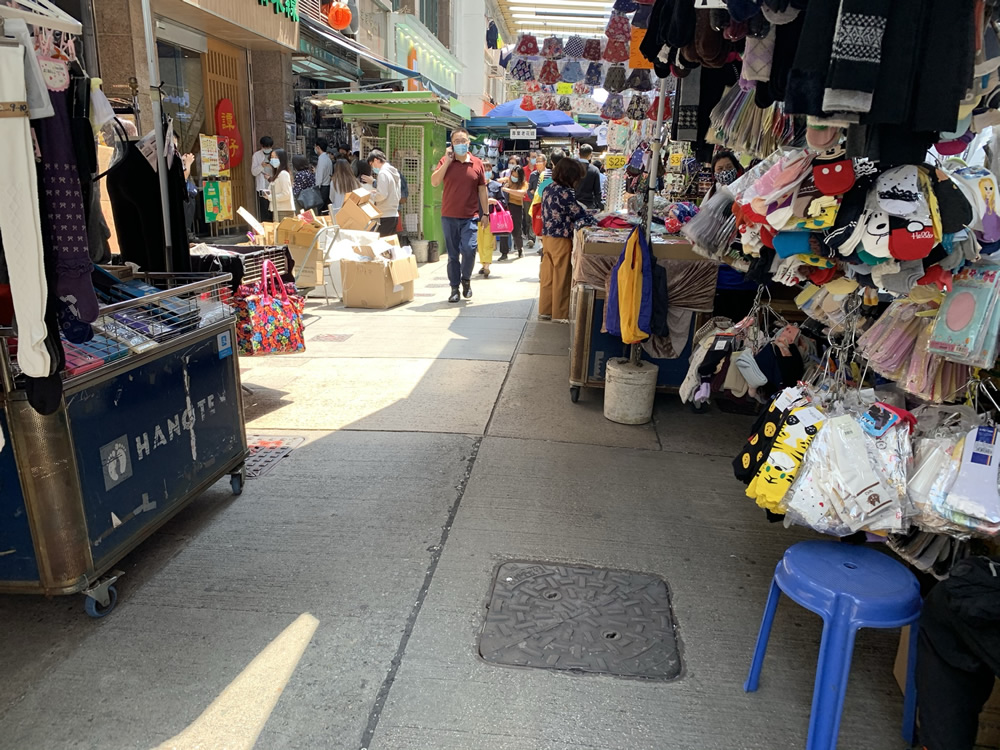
(590, 349)
(134, 441)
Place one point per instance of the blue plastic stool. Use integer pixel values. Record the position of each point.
(850, 587)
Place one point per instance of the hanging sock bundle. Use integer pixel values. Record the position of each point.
(856, 55)
(738, 123)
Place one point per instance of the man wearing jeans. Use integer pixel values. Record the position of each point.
(463, 200)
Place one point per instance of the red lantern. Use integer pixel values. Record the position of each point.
(339, 16)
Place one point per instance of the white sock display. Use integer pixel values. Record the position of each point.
(20, 221)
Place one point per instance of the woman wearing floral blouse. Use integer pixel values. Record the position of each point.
(561, 214)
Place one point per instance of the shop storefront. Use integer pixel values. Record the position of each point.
(216, 59)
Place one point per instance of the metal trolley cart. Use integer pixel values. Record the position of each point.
(590, 349)
(152, 415)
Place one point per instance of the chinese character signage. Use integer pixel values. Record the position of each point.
(287, 8)
(226, 125)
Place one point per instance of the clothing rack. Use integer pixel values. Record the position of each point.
(43, 13)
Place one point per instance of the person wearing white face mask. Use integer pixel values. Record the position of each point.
(260, 168)
(282, 197)
(387, 191)
(464, 201)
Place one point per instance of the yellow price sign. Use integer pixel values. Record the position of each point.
(564, 88)
(615, 161)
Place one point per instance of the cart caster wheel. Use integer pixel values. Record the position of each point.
(95, 609)
(574, 393)
(236, 482)
(699, 408)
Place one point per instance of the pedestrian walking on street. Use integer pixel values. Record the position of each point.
(262, 172)
(464, 203)
(343, 182)
(282, 201)
(561, 214)
(516, 189)
(324, 171)
(385, 178)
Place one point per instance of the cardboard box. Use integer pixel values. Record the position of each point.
(376, 285)
(358, 211)
(308, 274)
(284, 233)
(989, 719)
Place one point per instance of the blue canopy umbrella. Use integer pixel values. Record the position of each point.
(542, 118)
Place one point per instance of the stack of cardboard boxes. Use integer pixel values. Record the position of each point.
(383, 281)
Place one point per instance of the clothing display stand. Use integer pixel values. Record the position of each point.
(112, 419)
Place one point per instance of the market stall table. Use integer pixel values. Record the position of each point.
(691, 281)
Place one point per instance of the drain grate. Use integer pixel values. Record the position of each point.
(266, 451)
(336, 338)
(581, 619)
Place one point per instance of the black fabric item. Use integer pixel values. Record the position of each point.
(808, 75)
(956, 211)
(957, 662)
(946, 64)
(851, 206)
(714, 82)
(654, 39)
(710, 364)
(680, 32)
(760, 268)
(786, 43)
(937, 254)
(893, 145)
(661, 302)
(134, 190)
(898, 70)
(974, 590)
(856, 54)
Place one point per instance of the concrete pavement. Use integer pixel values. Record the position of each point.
(440, 443)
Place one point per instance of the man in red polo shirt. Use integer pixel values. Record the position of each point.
(463, 201)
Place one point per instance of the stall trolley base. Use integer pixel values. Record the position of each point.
(590, 349)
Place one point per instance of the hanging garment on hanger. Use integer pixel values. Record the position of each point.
(134, 190)
(64, 205)
(39, 103)
(20, 218)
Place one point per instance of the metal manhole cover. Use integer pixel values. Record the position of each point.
(266, 451)
(336, 338)
(581, 618)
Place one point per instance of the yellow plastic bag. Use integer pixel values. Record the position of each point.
(487, 242)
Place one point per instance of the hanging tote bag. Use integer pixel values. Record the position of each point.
(487, 244)
(268, 318)
(501, 222)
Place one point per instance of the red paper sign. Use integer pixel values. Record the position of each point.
(225, 125)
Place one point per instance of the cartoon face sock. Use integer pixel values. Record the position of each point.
(778, 471)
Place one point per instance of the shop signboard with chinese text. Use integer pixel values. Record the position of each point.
(523, 134)
(226, 125)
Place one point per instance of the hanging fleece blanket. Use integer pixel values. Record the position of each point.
(631, 295)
